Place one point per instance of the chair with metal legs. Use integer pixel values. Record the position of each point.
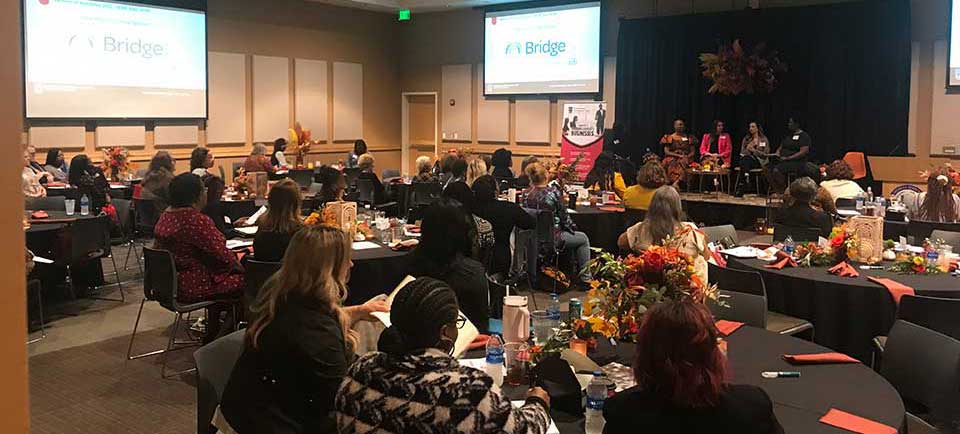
(90, 241)
(160, 285)
(35, 285)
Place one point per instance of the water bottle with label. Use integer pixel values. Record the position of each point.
(870, 194)
(788, 245)
(861, 198)
(596, 395)
(494, 366)
(84, 205)
(553, 309)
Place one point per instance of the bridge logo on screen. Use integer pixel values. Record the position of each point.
(536, 48)
(116, 45)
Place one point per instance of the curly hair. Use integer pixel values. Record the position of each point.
(652, 175)
(839, 169)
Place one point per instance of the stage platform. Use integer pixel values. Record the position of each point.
(712, 209)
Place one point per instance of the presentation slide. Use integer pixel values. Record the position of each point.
(548, 50)
(102, 59)
(953, 68)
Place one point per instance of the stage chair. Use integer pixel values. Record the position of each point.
(758, 173)
(934, 313)
(857, 162)
(922, 365)
(215, 362)
(748, 302)
(780, 233)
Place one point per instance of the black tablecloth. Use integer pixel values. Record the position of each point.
(602, 227)
(376, 271)
(846, 313)
(236, 209)
(798, 402)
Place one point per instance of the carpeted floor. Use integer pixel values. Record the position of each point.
(94, 389)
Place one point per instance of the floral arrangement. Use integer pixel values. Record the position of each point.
(843, 241)
(735, 70)
(116, 162)
(241, 184)
(913, 264)
(565, 173)
(299, 144)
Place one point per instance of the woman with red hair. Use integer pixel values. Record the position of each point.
(680, 381)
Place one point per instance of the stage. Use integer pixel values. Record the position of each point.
(712, 209)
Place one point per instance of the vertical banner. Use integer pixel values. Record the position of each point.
(582, 134)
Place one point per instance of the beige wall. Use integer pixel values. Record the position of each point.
(13, 321)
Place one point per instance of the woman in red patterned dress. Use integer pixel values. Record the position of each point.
(206, 270)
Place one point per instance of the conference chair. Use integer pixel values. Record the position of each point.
(89, 241)
(922, 365)
(780, 233)
(921, 230)
(49, 203)
(350, 175)
(124, 236)
(34, 285)
(633, 216)
(145, 216)
(389, 174)
(215, 362)
(857, 162)
(951, 238)
(746, 294)
(160, 285)
(303, 177)
(367, 195)
(314, 188)
(256, 274)
(715, 234)
(546, 244)
(422, 194)
(935, 313)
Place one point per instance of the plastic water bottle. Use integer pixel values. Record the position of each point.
(84, 205)
(596, 395)
(870, 194)
(861, 198)
(553, 309)
(788, 245)
(495, 360)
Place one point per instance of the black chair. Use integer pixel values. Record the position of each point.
(235, 168)
(160, 285)
(89, 240)
(145, 216)
(846, 203)
(350, 175)
(314, 188)
(757, 173)
(719, 233)
(921, 230)
(922, 365)
(389, 173)
(938, 314)
(780, 233)
(633, 216)
(303, 177)
(951, 238)
(34, 285)
(422, 194)
(366, 194)
(746, 294)
(49, 203)
(215, 362)
(124, 236)
(546, 243)
(256, 274)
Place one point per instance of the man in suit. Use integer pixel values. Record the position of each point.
(600, 117)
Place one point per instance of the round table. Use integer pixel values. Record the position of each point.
(798, 402)
(847, 313)
(603, 227)
(236, 209)
(376, 271)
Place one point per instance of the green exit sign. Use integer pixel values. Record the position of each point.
(403, 15)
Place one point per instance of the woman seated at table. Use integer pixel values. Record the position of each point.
(206, 270)
(502, 162)
(415, 365)
(367, 164)
(353, 158)
(89, 181)
(604, 175)
(650, 177)
(665, 219)
(257, 161)
(446, 244)
(504, 216)
(541, 196)
(277, 159)
(476, 168)
(799, 211)
(201, 161)
(56, 165)
(333, 184)
(938, 203)
(523, 181)
(716, 146)
(681, 388)
(483, 230)
(425, 170)
(280, 223)
(30, 179)
(839, 183)
(156, 182)
(300, 343)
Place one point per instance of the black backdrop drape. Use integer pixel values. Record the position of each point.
(848, 77)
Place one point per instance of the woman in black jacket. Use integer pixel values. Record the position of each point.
(504, 216)
(679, 370)
(299, 344)
(89, 181)
(280, 223)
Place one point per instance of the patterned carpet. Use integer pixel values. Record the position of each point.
(94, 389)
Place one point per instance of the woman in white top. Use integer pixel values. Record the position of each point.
(30, 178)
(278, 159)
(664, 219)
(840, 182)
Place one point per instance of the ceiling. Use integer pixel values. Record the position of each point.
(413, 5)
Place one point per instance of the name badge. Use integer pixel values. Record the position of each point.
(684, 139)
(796, 137)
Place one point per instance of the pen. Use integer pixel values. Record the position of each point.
(780, 374)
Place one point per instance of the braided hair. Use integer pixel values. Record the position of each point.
(418, 312)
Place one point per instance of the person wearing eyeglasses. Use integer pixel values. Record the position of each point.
(413, 384)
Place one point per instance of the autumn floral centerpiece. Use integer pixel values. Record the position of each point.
(734, 69)
(565, 173)
(842, 242)
(116, 162)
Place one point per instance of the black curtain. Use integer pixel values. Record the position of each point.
(848, 78)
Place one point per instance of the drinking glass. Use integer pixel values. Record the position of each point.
(396, 234)
(516, 356)
(70, 204)
(543, 325)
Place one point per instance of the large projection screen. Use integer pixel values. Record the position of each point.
(543, 50)
(92, 59)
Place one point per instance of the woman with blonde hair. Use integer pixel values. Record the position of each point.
(282, 220)
(299, 344)
(476, 168)
(425, 170)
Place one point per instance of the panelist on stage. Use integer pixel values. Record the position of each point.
(791, 158)
(716, 146)
(679, 149)
(754, 150)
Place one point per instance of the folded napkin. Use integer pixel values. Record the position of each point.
(761, 246)
(39, 214)
(56, 184)
(612, 208)
(844, 269)
(818, 358)
(782, 262)
(896, 289)
(852, 422)
(478, 342)
(718, 258)
(727, 328)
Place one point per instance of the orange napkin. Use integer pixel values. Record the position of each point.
(782, 263)
(612, 209)
(852, 422)
(478, 342)
(818, 358)
(718, 258)
(727, 328)
(844, 269)
(56, 184)
(39, 214)
(895, 288)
